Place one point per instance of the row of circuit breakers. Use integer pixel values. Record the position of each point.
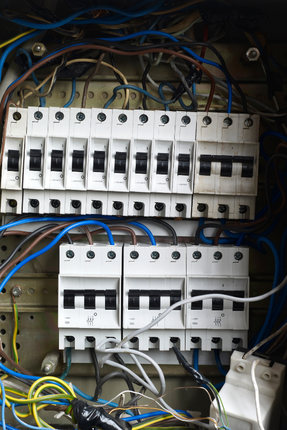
(112, 290)
(114, 162)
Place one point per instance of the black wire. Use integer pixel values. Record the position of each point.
(269, 205)
(168, 226)
(145, 73)
(26, 239)
(97, 372)
(119, 78)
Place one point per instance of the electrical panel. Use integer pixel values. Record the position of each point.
(130, 163)
(100, 283)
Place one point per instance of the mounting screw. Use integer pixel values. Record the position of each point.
(117, 206)
(253, 54)
(248, 122)
(70, 338)
(55, 203)
(179, 207)
(76, 204)
(155, 255)
(80, 116)
(122, 118)
(47, 368)
(90, 254)
(138, 206)
(17, 116)
(134, 255)
(175, 255)
(97, 204)
(38, 115)
(222, 209)
(164, 119)
(70, 254)
(242, 209)
(217, 255)
(12, 203)
(143, 118)
(159, 207)
(34, 203)
(238, 256)
(194, 339)
(227, 121)
(38, 49)
(207, 120)
(102, 117)
(185, 120)
(215, 339)
(111, 255)
(201, 207)
(59, 116)
(90, 339)
(16, 291)
(196, 255)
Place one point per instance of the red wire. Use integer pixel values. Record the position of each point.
(205, 37)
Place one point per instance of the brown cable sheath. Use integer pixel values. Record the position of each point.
(12, 362)
(107, 49)
(90, 77)
(121, 228)
(88, 234)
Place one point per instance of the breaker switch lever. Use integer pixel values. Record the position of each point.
(162, 164)
(78, 161)
(35, 160)
(205, 165)
(183, 164)
(120, 162)
(57, 161)
(111, 300)
(99, 161)
(69, 299)
(141, 162)
(13, 160)
(154, 300)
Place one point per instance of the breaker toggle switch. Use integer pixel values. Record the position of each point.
(111, 300)
(141, 162)
(247, 165)
(183, 164)
(78, 161)
(162, 164)
(154, 298)
(13, 160)
(205, 165)
(226, 166)
(57, 161)
(69, 299)
(35, 160)
(90, 298)
(99, 161)
(120, 162)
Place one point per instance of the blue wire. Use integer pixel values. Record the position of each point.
(23, 422)
(210, 241)
(155, 414)
(51, 244)
(3, 405)
(13, 46)
(218, 362)
(70, 18)
(193, 54)
(266, 328)
(74, 82)
(30, 64)
(144, 228)
(134, 88)
(195, 358)
(8, 427)
(266, 134)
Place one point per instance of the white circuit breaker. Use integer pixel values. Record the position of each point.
(114, 162)
(89, 294)
(238, 398)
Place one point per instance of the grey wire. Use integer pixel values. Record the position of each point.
(185, 84)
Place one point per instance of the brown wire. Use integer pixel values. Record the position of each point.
(12, 362)
(121, 228)
(90, 77)
(102, 48)
(88, 234)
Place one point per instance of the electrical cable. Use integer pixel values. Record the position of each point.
(68, 363)
(16, 38)
(89, 79)
(97, 372)
(194, 105)
(145, 73)
(119, 78)
(145, 229)
(218, 362)
(3, 405)
(256, 394)
(73, 93)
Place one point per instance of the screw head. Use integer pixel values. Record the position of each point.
(217, 255)
(97, 204)
(175, 255)
(102, 117)
(227, 121)
(80, 116)
(34, 203)
(164, 119)
(138, 206)
(242, 209)
(70, 254)
(12, 203)
(38, 115)
(194, 339)
(179, 207)
(134, 255)
(17, 116)
(159, 207)
(238, 256)
(196, 255)
(70, 338)
(122, 118)
(215, 340)
(90, 254)
(111, 255)
(143, 118)
(76, 204)
(253, 54)
(236, 340)
(206, 120)
(55, 203)
(16, 291)
(153, 339)
(37, 48)
(134, 340)
(47, 368)
(185, 120)
(201, 207)
(90, 339)
(248, 122)
(117, 206)
(155, 255)
(222, 208)
(59, 116)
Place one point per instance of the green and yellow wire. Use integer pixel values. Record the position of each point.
(16, 38)
(14, 345)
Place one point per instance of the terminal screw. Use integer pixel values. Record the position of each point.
(70, 254)
(155, 255)
(134, 255)
(217, 255)
(90, 255)
(111, 255)
(238, 256)
(175, 255)
(196, 255)
(16, 291)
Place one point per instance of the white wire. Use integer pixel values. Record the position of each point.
(256, 394)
